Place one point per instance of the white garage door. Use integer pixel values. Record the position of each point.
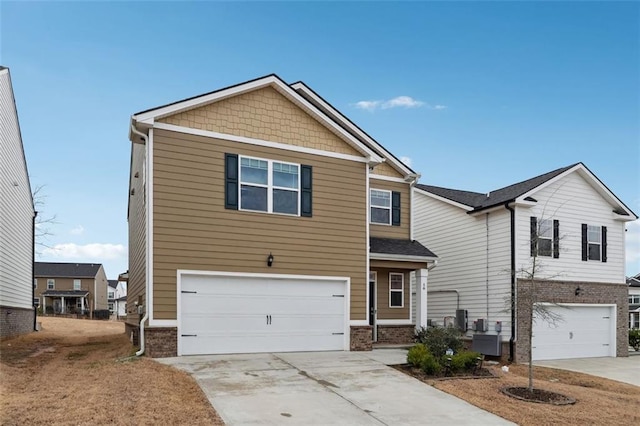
(221, 314)
(582, 332)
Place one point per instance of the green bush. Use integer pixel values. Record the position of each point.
(416, 354)
(634, 338)
(439, 339)
(430, 365)
(464, 361)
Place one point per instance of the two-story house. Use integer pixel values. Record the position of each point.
(261, 219)
(634, 301)
(69, 288)
(556, 240)
(17, 312)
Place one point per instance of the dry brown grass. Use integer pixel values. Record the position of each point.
(80, 372)
(599, 401)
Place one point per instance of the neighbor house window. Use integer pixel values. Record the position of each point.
(380, 206)
(545, 238)
(51, 284)
(36, 302)
(594, 242)
(634, 299)
(111, 307)
(269, 186)
(110, 295)
(396, 290)
(77, 285)
(35, 283)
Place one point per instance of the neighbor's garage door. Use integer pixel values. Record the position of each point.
(222, 315)
(582, 332)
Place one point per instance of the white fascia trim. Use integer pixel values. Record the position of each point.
(163, 323)
(394, 322)
(261, 275)
(570, 305)
(149, 220)
(593, 180)
(398, 165)
(491, 209)
(356, 323)
(387, 178)
(444, 200)
(260, 142)
(401, 257)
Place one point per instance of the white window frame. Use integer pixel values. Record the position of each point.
(35, 283)
(269, 186)
(541, 237)
(599, 243)
(79, 284)
(371, 206)
(634, 299)
(51, 284)
(111, 294)
(111, 307)
(36, 302)
(401, 291)
(79, 303)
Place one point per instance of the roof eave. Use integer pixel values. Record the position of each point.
(401, 257)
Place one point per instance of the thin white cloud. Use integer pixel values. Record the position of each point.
(406, 160)
(89, 252)
(78, 230)
(632, 249)
(397, 102)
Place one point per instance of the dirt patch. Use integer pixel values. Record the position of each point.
(599, 401)
(81, 372)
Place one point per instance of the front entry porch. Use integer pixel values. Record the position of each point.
(61, 302)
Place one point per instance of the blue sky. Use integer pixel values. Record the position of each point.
(494, 92)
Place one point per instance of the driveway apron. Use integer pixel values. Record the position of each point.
(346, 388)
(626, 370)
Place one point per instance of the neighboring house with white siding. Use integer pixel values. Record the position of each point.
(574, 228)
(634, 301)
(17, 313)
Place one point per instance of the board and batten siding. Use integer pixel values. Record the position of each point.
(389, 231)
(136, 287)
(16, 207)
(572, 201)
(192, 229)
(470, 256)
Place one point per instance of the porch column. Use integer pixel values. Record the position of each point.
(44, 304)
(421, 297)
(82, 304)
(62, 308)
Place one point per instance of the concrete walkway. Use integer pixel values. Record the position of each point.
(625, 370)
(348, 388)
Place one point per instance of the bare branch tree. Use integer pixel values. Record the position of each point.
(43, 222)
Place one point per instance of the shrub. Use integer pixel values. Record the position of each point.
(439, 339)
(464, 361)
(430, 365)
(416, 354)
(634, 339)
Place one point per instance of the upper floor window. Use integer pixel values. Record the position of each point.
(51, 284)
(110, 294)
(634, 299)
(396, 290)
(269, 186)
(35, 283)
(545, 237)
(77, 285)
(381, 206)
(594, 242)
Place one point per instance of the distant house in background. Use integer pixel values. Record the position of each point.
(67, 288)
(117, 297)
(634, 301)
(111, 295)
(17, 313)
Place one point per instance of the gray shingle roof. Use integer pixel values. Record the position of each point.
(66, 293)
(500, 196)
(66, 270)
(399, 247)
(112, 283)
(633, 281)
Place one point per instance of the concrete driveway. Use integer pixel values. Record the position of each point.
(625, 370)
(350, 388)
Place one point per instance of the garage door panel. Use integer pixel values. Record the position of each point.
(581, 332)
(253, 314)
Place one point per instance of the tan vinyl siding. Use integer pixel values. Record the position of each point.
(382, 285)
(86, 284)
(262, 114)
(388, 231)
(137, 234)
(386, 170)
(193, 230)
(101, 289)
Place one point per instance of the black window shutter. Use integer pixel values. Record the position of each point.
(556, 239)
(395, 208)
(604, 243)
(534, 235)
(585, 247)
(306, 201)
(231, 181)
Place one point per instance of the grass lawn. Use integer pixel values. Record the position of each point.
(79, 372)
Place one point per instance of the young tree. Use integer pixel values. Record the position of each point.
(43, 222)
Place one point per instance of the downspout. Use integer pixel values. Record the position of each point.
(513, 280)
(146, 291)
(33, 270)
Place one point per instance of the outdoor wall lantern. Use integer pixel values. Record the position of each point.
(578, 291)
(270, 260)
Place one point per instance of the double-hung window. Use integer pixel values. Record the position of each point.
(380, 207)
(396, 290)
(77, 285)
(269, 186)
(545, 237)
(594, 242)
(51, 284)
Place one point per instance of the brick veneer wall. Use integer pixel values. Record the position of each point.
(131, 328)
(564, 292)
(361, 338)
(15, 321)
(396, 334)
(161, 342)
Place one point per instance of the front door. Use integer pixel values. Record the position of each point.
(57, 304)
(372, 306)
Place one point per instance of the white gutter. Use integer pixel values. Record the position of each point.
(146, 292)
